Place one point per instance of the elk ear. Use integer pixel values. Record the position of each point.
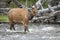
(34, 6)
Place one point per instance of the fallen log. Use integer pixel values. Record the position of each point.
(47, 9)
(4, 10)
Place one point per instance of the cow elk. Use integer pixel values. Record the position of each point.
(21, 15)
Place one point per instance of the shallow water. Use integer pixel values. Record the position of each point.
(37, 32)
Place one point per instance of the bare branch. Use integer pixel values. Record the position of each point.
(18, 4)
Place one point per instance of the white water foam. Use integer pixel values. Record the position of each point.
(34, 30)
(48, 28)
(13, 30)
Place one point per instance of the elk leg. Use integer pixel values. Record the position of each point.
(26, 26)
(12, 26)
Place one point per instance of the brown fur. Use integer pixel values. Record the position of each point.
(20, 15)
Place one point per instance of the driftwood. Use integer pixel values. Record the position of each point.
(4, 10)
(47, 9)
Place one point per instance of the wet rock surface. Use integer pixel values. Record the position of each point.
(37, 32)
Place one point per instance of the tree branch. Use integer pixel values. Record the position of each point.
(18, 4)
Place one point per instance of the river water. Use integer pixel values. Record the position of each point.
(38, 31)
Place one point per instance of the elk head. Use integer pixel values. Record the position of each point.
(34, 10)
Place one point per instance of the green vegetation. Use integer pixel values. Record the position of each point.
(3, 18)
(13, 5)
(29, 3)
(45, 5)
